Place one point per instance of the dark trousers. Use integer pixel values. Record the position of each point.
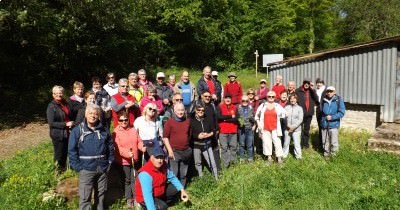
(162, 202)
(181, 163)
(60, 152)
(305, 134)
(128, 180)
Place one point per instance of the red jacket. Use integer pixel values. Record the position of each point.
(227, 124)
(133, 111)
(159, 177)
(235, 89)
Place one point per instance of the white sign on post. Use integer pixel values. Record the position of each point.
(271, 58)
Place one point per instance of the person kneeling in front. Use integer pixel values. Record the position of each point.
(151, 187)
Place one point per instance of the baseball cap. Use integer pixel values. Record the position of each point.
(331, 88)
(160, 74)
(232, 74)
(228, 95)
(156, 151)
(263, 80)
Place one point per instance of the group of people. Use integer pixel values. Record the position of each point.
(165, 132)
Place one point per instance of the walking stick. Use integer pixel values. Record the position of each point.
(209, 158)
(329, 139)
(133, 165)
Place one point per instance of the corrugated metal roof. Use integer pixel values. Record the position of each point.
(330, 52)
(362, 75)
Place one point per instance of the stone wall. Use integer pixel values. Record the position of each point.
(359, 116)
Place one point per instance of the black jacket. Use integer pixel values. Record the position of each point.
(56, 121)
(313, 100)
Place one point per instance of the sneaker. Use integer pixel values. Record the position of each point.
(130, 203)
(241, 160)
(269, 161)
(280, 161)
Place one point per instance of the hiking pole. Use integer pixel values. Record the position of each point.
(133, 165)
(328, 137)
(209, 159)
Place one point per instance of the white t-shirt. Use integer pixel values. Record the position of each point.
(146, 129)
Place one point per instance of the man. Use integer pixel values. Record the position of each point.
(176, 138)
(103, 100)
(234, 88)
(291, 89)
(307, 98)
(91, 152)
(123, 100)
(207, 83)
(187, 89)
(246, 129)
(214, 75)
(321, 92)
(134, 89)
(332, 110)
(151, 187)
(211, 111)
(163, 90)
(111, 87)
(169, 112)
(278, 86)
(143, 82)
(228, 126)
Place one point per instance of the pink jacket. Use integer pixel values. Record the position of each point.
(126, 139)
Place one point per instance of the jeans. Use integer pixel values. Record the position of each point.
(181, 164)
(228, 148)
(330, 141)
(296, 141)
(246, 140)
(89, 180)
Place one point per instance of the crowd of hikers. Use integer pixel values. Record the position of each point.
(165, 132)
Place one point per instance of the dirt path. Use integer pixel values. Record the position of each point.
(20, 138)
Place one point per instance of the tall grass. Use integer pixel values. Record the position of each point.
(355, 179)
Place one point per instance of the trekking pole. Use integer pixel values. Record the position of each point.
(133, 165)
(329, 139)
(209, 159)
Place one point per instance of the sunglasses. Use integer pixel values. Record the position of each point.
(152, 110)
(245, 100)
(199, 110)
(207, 96)
(179, 99)
(271, 96)
(123, 120)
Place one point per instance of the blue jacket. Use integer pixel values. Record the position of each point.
(89, 149)
(335, 108)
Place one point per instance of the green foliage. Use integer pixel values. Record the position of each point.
(25, 177)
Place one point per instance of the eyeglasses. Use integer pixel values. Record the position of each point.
(245, 100)
(151, 109)
(199, 110)
(111, 77)
(250, 93)
(123, 86)
(271, 96)
(123, 120)
(179, 99)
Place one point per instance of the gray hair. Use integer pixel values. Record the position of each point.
(123, 81)
(91, 107)
(57, 87)
(142, 71)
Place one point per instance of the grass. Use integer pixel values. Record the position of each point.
(355, 179)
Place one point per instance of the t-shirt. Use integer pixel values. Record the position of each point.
(177, 133)
(186, 94)
(270, 120)
(211, 86)
(146, 129)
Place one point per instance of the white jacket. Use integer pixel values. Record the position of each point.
(280, 113)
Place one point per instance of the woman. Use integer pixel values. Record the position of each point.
(269, 125)
(153, 98)
(149, 129)
(294, 120)
(202, 135)
(283, 101)
(126, 143)
(76, 100)
(252, 100)
(246, 129)
(59, 120)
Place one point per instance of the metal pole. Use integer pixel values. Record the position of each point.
(256, 53)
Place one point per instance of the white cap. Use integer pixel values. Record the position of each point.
(214, 73)
(263, 80)
(331, 88)
(160, 74)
